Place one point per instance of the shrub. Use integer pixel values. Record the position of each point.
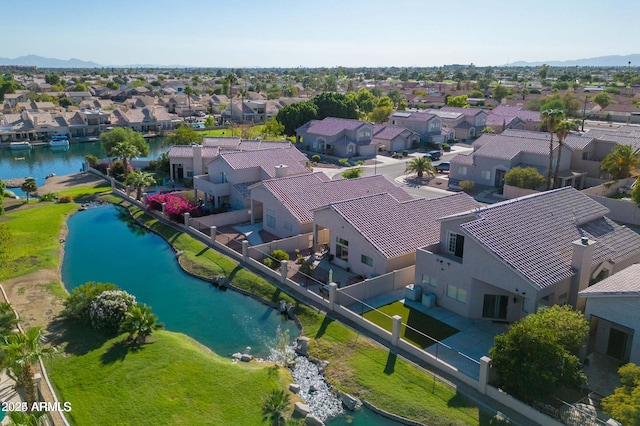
(524, 177)
(343, 162)
(446, 147)
(65, 199)
(359, 163)
(177, 206)
(270, 263)
(466, 185)
(415, 145)
(109, 309)
(280, 254)
(405, 153)
(49, 196)
(76, 306)
(91, 159)
(316, 158)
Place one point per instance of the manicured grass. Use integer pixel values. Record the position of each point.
(171, 380)
(254, 132)
(35, 229)
(81, 193)
(416, 320)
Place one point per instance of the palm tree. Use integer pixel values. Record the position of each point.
(188, 91)
(8, 320)
(421, 165)
(274, 406)
(139, 179)
(140, 321)
(29, 186)
(550, 118)
(20, 352)
(563, 129)
(620, 161)
(126, 151)
(232, 79)
(22, 418)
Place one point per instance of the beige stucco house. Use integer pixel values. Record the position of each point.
(340, 137)
(504, 261)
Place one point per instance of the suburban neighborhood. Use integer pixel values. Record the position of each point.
(432, 211)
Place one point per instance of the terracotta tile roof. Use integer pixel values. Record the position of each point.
(300, 195)
(267, 160)
(414, 223)
(463, 159)
(573, 141)
(469, 112)
(515, 111)
(186, 151)
(533, 234)
(389, 132)
(622, 283)
(331, 126)
(413, 116)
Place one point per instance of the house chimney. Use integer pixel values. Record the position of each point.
(581, 262)
(282, 170)
(197, 160)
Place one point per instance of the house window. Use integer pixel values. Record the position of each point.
(486, 174)
(462, 170)
(366, 260)
(190, 174)
(286, 225)
(431, 281)
(342, 249)
(586, 155)
(456, 293)
(455, 244)
(271, 219)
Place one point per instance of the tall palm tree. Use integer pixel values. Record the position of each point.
(232, 79)
(22, 350)
(139, 179)
(126, 151)
(421, 165)
(551, 118)
(141, 322)
(620, 161)
(188, 91)
(563, 129)
(274, 406)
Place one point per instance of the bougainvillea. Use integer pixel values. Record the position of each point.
(109, 309)
(176, 207)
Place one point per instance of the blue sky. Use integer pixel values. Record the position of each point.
(290, 33)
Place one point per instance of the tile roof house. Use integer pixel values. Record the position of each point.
(513, 117)
(288, 203)
(494, 155)
(466, 122)
(504, 261)
(394, 138)
(376, 234)
(612, 310)
(426, 124)
(340, 137)
(230, 174)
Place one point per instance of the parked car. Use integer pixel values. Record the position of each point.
(445, 166)
(434, 155)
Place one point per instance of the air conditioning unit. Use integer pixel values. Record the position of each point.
(428, 300)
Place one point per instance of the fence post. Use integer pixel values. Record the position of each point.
(333, 294)
(113, 184)
(164, 209)
(144, 199)
(395, 329)
(284, 266)
(187, 216)
(245, 250)
(212, 233)
(483, 380)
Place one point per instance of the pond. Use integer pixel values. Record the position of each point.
(103, 245)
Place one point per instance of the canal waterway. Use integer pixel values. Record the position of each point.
(40, 162)
(103, 245)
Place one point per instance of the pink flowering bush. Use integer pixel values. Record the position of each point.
(177, 206)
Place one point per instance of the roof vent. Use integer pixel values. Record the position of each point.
(584, 241)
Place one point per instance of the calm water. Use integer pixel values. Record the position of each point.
(102, 246)
(39, 162)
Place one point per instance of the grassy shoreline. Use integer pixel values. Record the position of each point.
(357, 365)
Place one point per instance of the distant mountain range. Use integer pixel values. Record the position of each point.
(42, 62)
(600, 61)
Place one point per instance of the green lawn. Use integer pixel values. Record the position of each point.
(416, 320)
(35, 229)
(253, 133)
(171, 380)
(107, 384)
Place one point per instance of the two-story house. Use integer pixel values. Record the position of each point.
(467, 123)
(506, 260)
(394, 138)
(340, 137)
(426, 124)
